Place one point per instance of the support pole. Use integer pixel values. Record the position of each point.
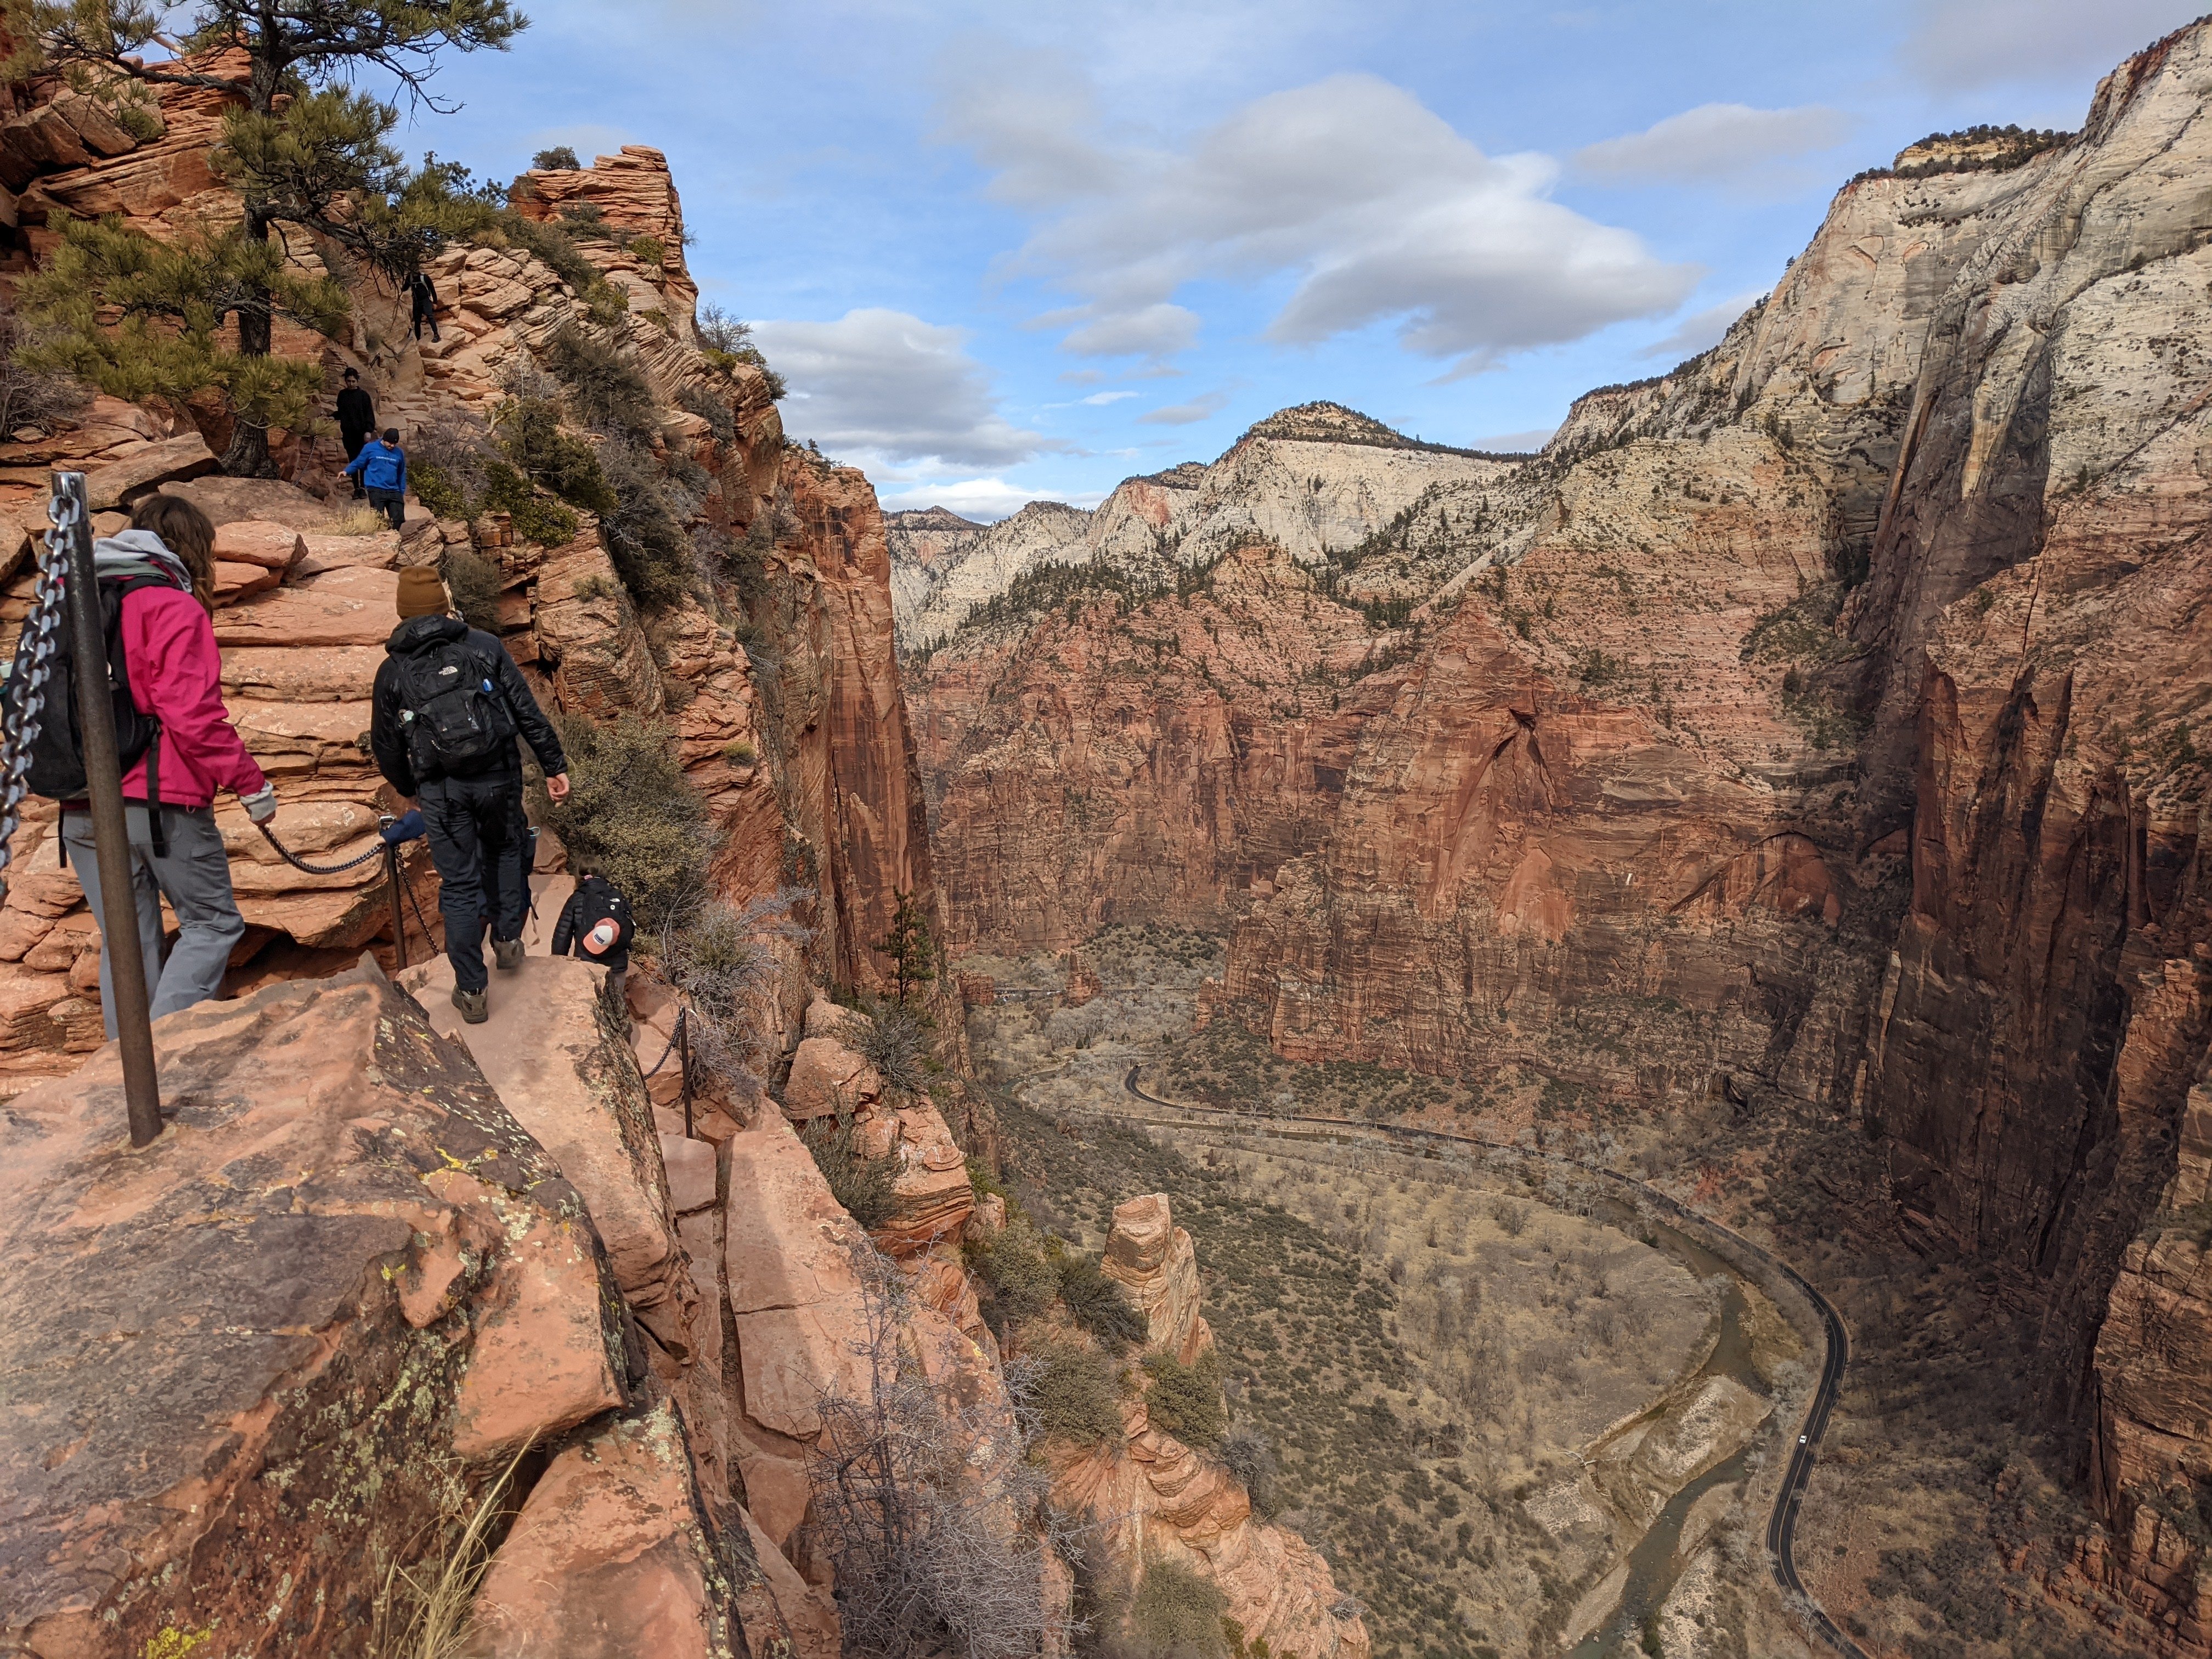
(111, 830)
(398, 918)
(684, 1043)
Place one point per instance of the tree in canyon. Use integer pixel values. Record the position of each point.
(304, 149)
(911, 945)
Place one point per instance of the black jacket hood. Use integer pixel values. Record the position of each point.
(416, 632)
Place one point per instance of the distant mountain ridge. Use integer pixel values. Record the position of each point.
(1317, 479)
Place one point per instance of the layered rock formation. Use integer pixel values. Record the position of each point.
(1820, 720)
(783, 700)
(202, 1444)
(1158, 1499)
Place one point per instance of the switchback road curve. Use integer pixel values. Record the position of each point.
(1782, 1524)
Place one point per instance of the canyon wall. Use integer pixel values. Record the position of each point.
(1820, 720)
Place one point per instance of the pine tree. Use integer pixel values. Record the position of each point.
(304, 150)
(910, 945)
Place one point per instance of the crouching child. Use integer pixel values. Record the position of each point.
(597, 926)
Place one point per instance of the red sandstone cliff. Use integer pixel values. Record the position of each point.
(1823, 717)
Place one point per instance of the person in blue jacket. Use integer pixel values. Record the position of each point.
(382, 467)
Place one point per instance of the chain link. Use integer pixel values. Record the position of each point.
(33, 668)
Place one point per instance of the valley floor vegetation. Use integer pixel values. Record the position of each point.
(1495, 1325)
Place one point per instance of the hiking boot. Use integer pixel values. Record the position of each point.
(507, 953)
(475, 1006)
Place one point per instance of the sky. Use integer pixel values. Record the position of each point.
(1005, 252)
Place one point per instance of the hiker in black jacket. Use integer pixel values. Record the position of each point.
(424, 295)
(356, 420)
(597, 926)
(449, 705)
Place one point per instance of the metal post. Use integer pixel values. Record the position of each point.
(111, 831)
(683, 1043)
(398, 917)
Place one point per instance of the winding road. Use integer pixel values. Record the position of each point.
(1782, 1525)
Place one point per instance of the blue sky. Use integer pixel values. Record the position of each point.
(1005, 252)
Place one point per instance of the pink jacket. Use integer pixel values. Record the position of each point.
(176, 675)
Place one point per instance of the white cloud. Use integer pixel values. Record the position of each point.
(1976, 43)
(986, 500)
(1103, 397)
(1699, 330)
(887, 384)
(1198, 409)
(1374, 209)
(1713, 141)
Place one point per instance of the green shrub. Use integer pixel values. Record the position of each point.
(607, 390)
(475, 583)
(740, 753)
(530, 433)
(711, 409)
(1018, 1279)
(437, 490)
(1099, 1304)
(535, 518)
(643, 530)
(1186, 1399)
(632, 814)
(1074, 1395)
(1177, 1615)
(861, 1184)
(552, 246)
(562, 158)
(649, 250)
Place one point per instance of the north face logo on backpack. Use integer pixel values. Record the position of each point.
(455, 719)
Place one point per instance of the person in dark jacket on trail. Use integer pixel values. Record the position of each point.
(597, 926)
(449, 705)
(382, 467)
(356, 420)
(425, 296)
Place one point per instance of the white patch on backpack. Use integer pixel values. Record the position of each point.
(448, 669)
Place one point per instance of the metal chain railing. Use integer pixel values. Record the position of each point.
(298, 863)
(33, 668)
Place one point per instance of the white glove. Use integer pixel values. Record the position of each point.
(260, 806)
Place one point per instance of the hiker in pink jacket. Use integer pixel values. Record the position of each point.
(166, 563)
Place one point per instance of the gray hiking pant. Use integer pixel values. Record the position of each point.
(195, 877)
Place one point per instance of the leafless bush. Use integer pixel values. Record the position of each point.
(896, 1043)
(1512, 1219)
(721, 957)
(935, 1518)
(29, 398)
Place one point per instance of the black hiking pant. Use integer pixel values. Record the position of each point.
(355, 442)
(479, 840)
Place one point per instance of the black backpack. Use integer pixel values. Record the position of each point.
(58, 756)
(456, 718)
(596, 901)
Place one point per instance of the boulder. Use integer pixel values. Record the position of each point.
(931, 1193)
(122, 482)
(794, 1286)
(1154, 1258)
(614, 1556)
(251, 1363)
(275, 547)
(691, 1166)
(234, 582)
(568, 1078)
(357, 606)
(826, 1075)
(342, 673)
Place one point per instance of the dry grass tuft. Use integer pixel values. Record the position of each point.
(425, 1612)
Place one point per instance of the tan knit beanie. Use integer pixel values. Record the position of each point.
(421, 593)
